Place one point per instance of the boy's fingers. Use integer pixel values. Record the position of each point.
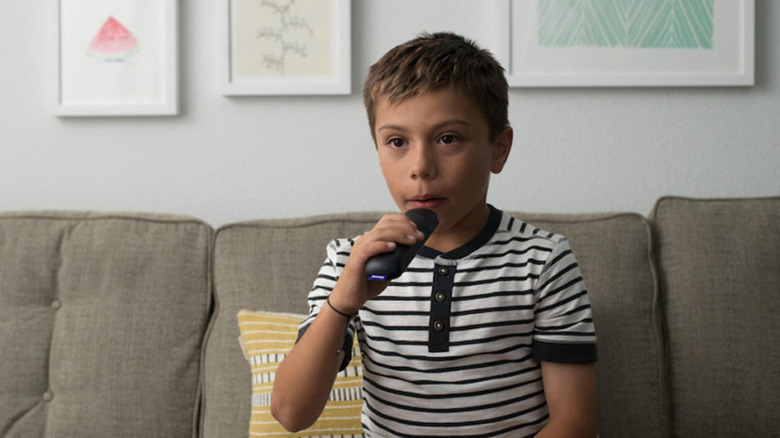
(394, 235)
(399, 228)
(380, 247)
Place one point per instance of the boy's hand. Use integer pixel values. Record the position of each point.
(353, 288)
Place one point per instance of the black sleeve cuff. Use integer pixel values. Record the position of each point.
(347, 349)
(564, 353)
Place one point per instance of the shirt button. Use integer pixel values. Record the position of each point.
(438, 326)
(440, 297)
(56, 304)
(443, 270)
(48, 396)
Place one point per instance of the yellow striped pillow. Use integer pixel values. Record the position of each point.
(266, 338)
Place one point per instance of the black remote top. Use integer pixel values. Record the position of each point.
(390, 265)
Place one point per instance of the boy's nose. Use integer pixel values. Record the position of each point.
(423, 165)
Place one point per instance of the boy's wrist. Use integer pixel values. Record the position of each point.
(342, 304)
(345, 314)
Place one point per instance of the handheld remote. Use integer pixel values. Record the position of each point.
(390, 265)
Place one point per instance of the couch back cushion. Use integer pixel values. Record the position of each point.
(615, 257)
(101, 324)
(260, 265)
(720, 281)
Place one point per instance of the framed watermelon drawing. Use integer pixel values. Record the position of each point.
(607, 43)
(284, 47)
(116, 57)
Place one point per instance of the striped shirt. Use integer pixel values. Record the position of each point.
(452, 347)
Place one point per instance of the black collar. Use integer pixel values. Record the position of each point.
(494, 220)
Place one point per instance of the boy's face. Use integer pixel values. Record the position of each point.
(435, 152)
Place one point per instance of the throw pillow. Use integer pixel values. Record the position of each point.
(266, 338)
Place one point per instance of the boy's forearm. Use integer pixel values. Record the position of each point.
(305, 378)
(570, 390)
(561, 429)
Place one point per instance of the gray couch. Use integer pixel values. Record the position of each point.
(125, 324)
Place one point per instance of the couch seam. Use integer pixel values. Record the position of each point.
(574, 218)
(119, 216)
(199, 401)
(212, 320)
(310, 221)
(57, 295)
(303, 221)
(659, 322)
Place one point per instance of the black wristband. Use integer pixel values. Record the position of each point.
(349, 317)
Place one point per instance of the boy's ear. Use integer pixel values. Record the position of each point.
(501, 149)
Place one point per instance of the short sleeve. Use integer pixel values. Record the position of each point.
(564, 330)
(338, 251)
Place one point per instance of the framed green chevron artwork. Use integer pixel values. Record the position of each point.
(607, 43)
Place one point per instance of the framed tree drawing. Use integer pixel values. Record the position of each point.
(628, 42)
(116, 57)
(283, 47)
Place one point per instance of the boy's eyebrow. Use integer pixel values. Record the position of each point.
(435, 127)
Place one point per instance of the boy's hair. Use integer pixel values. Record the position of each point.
(433, 61)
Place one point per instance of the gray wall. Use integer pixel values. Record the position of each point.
(227, 159)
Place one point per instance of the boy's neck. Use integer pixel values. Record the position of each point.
(461, 233)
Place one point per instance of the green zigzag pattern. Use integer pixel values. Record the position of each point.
(626, 23)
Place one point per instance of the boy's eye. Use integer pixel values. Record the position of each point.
(396, 142)
(448, 139)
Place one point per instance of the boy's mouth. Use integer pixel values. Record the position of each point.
(429, 202)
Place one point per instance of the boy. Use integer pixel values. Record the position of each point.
(489, 331)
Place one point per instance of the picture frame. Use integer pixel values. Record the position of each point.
(280, 47)
(630, 47)
(115, 57)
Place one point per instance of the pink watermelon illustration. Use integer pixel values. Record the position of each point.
(113, 42)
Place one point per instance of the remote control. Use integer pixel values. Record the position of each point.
(390, 265)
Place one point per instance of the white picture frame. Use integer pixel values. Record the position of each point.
(313, 56)
(559, 61)
(115, 57)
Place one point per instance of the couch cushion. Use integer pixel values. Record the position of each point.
(720, 281)
(101, 324)
(614, 253)
(267, 338)
(260, 265)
